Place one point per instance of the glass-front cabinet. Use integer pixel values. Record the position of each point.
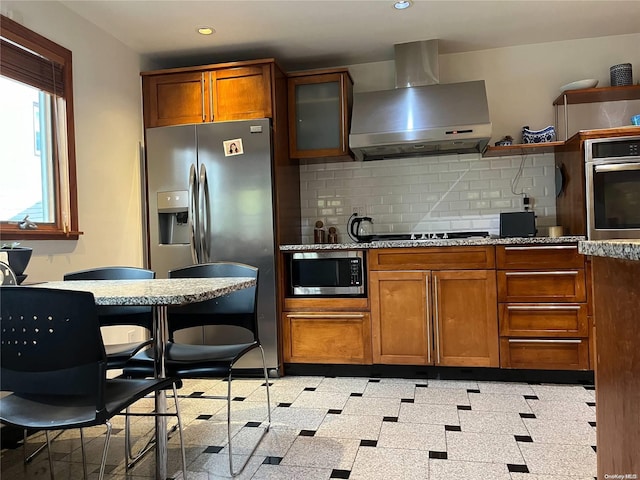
(320, 114)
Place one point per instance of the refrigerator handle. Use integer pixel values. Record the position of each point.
(204, 216)
(192, 215)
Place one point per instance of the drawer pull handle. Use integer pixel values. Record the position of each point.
(523, 340)
(543, 307)
(332, 315)
(545, 247)
(568, 272)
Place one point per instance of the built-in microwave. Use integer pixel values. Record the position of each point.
(335, 273)
(612, 171)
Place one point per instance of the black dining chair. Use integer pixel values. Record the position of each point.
(141, 316)
(236, 310)
(53, 366)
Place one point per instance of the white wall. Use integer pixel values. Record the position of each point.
(108, 130)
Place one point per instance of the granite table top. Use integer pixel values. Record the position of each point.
(159, 291)
(627, 249)
(433, 243)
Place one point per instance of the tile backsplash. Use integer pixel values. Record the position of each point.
(428, 194)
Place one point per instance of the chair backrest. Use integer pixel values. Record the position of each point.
(7, 276)
(236, 309)
(51, 343)
(119, 315)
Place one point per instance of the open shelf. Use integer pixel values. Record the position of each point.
(594, 95)
(522, 149)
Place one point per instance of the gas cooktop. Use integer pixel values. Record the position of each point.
(387, 237)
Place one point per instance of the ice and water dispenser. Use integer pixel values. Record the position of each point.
(173, 217)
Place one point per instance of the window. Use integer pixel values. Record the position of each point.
(37, 145)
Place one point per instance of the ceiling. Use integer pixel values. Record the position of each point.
(321, 33)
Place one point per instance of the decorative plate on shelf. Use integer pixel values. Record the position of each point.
(580, 84)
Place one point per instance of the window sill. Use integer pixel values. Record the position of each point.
(39, 234)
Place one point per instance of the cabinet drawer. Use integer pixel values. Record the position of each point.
(545, 354)
(327, 337)
(536, 257)
(558, 320)
(432, 258)
(549, 286)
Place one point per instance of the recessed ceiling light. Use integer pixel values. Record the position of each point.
(206, 31)
(402, 4)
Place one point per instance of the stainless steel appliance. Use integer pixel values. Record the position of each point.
(612, 170)
(210, 198)
(420, 116)
(327, 274)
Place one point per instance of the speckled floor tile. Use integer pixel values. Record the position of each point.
(529, 476)
(412, 436)
(390, 463)
(390, 390)
(275, 443)
(239, 388)
(442, 396)
(564, 393)
(560, 431)
(483, 447)
(288, 472)
(343, 384)
(217, 465)
(550, 410)
(386, 407)
(427, 413)
(465, 384)
(498, 402)
(326, 400)
(322, 452)
(492, 422)
(454, 469)
(555, 459)
(505, 387)
(298, 418)
(363, 427)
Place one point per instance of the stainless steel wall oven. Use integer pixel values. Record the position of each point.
(612, 171)
(327, 274)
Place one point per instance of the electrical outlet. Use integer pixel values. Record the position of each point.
(131, 336)
(359, 210)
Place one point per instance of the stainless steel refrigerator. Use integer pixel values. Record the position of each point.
(210, 198)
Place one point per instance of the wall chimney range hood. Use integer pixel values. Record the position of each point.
(420, 117)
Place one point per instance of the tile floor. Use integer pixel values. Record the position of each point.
(359, 429)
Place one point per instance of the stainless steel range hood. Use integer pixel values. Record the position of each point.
(420, 117)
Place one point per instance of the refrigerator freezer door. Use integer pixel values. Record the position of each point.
(170, 153)
(241, 218)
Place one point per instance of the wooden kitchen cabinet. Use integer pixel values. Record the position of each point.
(326, 331)
(231, 91)
(320, 104)
(543, 308)
(441, 317)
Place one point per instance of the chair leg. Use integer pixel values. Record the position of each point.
(46, 434)
(184, 459)
(265, 430)
(103, 463)
(28, 458)
(84, 455)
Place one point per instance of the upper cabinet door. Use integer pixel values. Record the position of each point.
(241, 93)
(320, 114)
(176, 99)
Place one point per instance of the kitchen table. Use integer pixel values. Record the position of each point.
(159, 294)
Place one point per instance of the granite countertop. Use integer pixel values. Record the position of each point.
(459, 242)
(161, 291)
(628, 249)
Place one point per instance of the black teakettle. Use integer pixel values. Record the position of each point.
(360, 229)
